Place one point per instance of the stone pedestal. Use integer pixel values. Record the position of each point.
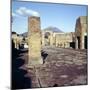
(34, 39)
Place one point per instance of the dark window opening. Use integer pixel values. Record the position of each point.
(78, 38)
(85, 42)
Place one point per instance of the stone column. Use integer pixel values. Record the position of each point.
(82, 40)
(76, 43)
(43, 39)
(15, 42)
(51, 39)
(34, 40)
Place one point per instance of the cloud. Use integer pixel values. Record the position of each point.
(14, 14)
(23, 11)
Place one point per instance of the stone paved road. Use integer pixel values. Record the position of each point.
(62, 67)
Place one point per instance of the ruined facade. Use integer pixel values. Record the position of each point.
(77, 39)
(17, 40)
(64, 40)
(81, 33)
(34, 41)
(47, 38)
(14, 39)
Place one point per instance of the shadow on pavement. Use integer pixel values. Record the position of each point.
(18, 79)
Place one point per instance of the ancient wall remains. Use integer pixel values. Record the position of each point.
(81, 33)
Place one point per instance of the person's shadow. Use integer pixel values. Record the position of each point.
(18, 79)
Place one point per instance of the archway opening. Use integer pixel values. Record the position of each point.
(47, 38)
(78, 38)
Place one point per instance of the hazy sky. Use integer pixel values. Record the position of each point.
(62, 16)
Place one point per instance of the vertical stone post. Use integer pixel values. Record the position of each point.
(34, 40)
(43, 39)
(76, 43)
(14, 43)
(17, 43)
(82, 40)
(51, 39)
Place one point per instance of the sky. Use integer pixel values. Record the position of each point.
(62, 16)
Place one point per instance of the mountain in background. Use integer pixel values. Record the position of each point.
(53, 29)
(24, 34)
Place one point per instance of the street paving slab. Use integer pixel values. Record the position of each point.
(61, 67)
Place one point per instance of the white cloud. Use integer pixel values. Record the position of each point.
(14, 14)
(23, 11)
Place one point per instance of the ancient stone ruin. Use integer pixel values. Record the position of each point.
(61, 65)
(34, 41)
(81, 33)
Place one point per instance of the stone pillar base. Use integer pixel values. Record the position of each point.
(34, 62)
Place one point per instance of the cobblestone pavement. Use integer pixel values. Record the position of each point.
(62, 67)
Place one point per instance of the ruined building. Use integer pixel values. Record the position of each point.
(17, 40)
(81, 33)
(58, 39)
(77, 39)
(65, 40)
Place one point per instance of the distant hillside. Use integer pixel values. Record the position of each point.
(24, 34)
(54, 29)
